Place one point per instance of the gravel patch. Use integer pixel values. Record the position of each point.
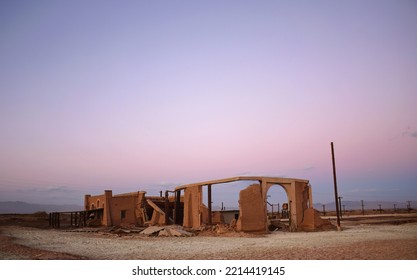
(354, 242)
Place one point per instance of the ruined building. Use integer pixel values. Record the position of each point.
(185, 206)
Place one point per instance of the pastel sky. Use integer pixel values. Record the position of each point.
(147, 95)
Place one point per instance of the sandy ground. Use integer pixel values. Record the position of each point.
(356, 241)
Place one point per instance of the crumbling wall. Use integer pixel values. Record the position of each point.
(252, 209)
(139, 209)
(131, 208)
(123, 210)
(119, 209)
(158, 216)
(313, 222)
(217, 217)
(192, 206)
(94, 202)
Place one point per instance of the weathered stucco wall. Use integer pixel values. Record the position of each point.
(94, 202)
(130, 208)
(192, 206)
(252, 202)
(117, 210)
(252, 209)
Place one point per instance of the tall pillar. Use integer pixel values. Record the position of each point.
(87, 202)
(177, 207)
(310, 196)
(107, 220)
(264, 197)
(209, 203)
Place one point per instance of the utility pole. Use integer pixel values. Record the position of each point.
(395, 208)
(408, 206)
(363, 211)
(340, 206)
(209, 202)
(324, 210)
(380, 210)
(335, 187)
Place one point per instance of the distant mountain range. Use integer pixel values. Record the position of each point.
(19, 207)
(368, 205)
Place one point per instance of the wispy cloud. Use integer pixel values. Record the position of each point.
(409, 133)
(47, 194)
(372, 190)
(49, 190)
(363, 190)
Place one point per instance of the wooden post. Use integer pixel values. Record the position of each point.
(340, 206)
(335, 188)
(209, 204)
(166, 208)
(177, 206)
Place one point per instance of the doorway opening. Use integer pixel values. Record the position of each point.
(277, 209)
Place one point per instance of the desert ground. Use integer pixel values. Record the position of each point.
(377, 237)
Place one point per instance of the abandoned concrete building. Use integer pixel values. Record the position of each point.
(185, 206)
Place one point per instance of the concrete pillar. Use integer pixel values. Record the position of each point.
(252, 208)
(264, 187)
(192, 211)
(108, 195)
(177, 207)
(292, 203)
(209, 203)
(87, 202)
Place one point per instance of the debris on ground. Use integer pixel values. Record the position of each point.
(172, 230)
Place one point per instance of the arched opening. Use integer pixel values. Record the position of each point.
(277, 208)
(98, 203)
(225, 201)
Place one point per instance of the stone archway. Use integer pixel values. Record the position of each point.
(253, 203)
(277, 209)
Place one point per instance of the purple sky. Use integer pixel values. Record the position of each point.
(130, 95)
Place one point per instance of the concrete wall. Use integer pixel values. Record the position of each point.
(252, 202)
(94, 202)
(117, 210)
(252, 205)
(252, 209)
(192, 207)
(123, 205)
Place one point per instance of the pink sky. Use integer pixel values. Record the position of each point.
(150, 95)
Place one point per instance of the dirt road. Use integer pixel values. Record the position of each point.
(356, 241)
